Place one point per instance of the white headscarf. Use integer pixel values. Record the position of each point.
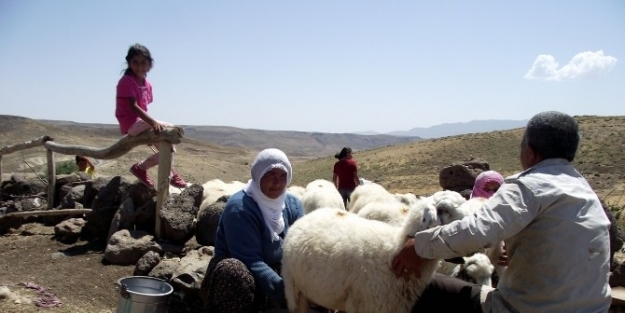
(271, 209)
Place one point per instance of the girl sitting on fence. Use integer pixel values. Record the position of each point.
(134, 94)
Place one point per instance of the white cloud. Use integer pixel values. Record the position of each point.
(585, 65)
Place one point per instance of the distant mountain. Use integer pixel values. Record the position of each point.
(453, 129)
(303, 144)
(294, 143)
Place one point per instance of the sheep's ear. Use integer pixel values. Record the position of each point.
(456, 260)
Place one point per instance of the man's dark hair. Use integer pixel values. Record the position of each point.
(552, 135)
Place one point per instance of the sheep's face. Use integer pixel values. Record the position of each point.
(477, 270)
(447, 203)
(447, 213)
(430, 218)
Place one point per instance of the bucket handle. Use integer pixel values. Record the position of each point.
(123, 288)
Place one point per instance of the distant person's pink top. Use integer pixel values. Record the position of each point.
(129, 87)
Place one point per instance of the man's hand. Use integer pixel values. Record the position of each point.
(407, 262)
(503, 258)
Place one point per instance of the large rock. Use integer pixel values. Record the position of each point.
(179, 212)
(460, 176)
(128, 246)
(189, 275)
(147, 262)
(617, 237)
(104, 206)
(165, 268)
(70, 229)
(208, 220)
(123, 218)
(19, 186)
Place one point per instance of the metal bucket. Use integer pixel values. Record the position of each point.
(143, 294)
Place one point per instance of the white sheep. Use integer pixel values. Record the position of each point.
(297, 191)
(476, 269)
(393, 213)
(340, 261)
(450, 208)
(367, 193)
(406, 198)
(215, 189)
(448, 204)
(321, 193)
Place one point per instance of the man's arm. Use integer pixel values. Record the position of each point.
(502, 216)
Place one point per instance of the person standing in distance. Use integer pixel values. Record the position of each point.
(345, 176)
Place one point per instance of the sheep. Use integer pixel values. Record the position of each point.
(406, 198)
(367, 193)
(393, 213)
(297, 191)
(321, 193)
(373, 202)
(447, 205)
(340, 261)
(476, 269)
(215, 189)
(449, 210)
(362, 181)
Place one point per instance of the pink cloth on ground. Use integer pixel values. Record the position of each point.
(481, 180)
(129, 87)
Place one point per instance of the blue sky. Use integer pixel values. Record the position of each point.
(326, 66)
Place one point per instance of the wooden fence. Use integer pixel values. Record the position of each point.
(165, 139)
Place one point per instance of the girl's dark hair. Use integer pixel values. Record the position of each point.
(80, 158)
(134, 50)
(343, 153)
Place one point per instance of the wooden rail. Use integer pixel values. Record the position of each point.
(165, 139)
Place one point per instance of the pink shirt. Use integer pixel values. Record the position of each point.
(129, 87)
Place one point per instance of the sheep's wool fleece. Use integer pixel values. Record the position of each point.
(271, 209)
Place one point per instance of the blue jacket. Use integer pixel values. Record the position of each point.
(242, 234)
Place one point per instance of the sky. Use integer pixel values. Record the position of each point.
(316, 66)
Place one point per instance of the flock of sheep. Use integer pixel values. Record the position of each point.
(340, 257)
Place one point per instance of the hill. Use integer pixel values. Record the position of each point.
(294, 143)
(415, 167)
(404, 167)
(453, 129)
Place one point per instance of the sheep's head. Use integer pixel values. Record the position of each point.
(421, 216)
(477, 269)
(446, 203)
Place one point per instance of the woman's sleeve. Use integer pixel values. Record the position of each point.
(243, 234)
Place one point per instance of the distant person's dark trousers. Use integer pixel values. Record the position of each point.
(345, 194)
(449, 294)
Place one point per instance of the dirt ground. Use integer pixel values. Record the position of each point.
(73, 272)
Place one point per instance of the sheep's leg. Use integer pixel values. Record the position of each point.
(302, 303)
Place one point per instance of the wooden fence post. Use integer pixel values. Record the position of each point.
(51, 178)
(0, 168)
(164, 169)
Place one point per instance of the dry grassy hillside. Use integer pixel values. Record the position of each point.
(198, 161)
(412, 167)
(415, 167)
